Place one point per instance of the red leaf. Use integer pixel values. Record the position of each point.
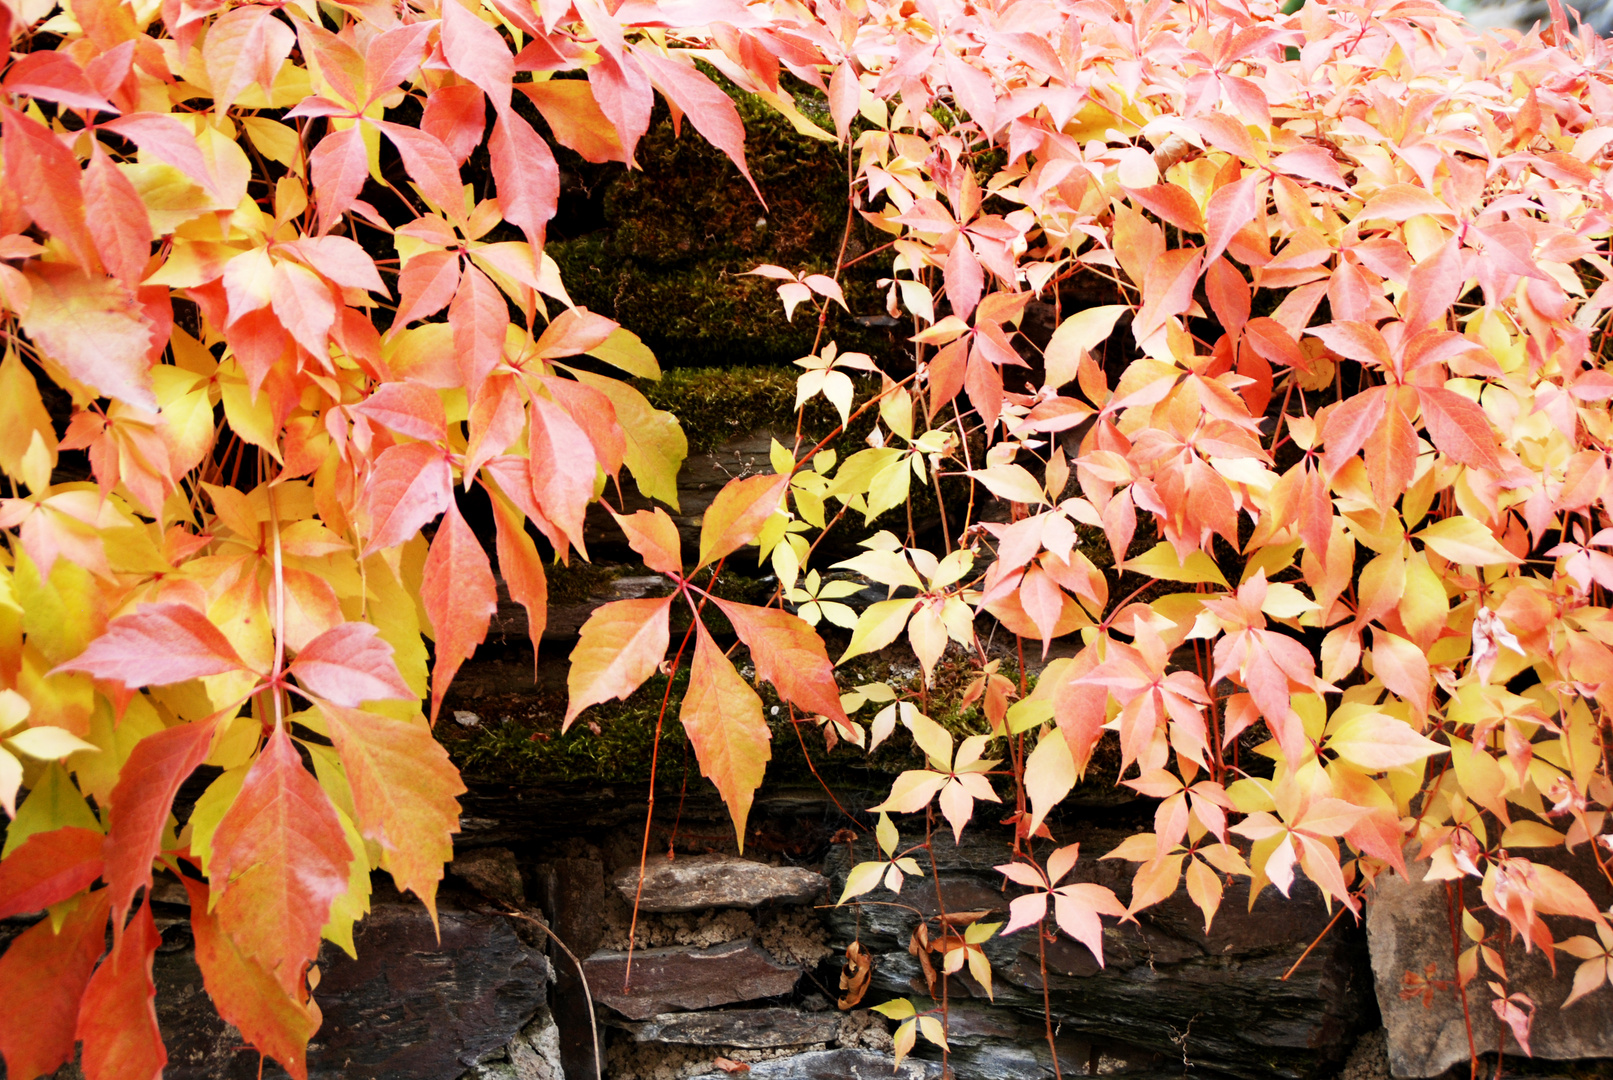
(426, 285)
(710, 110)
(457, 116)
(621, 645)
(525, 173)
(159, 644)
(962, 278)
(245, 995)
(392, 57)
(596, 415)
(407, 408)
(117, 1018)
(1229, 210)
(53, 76)
(47, 868)
(405, 792)
(304, 305)
(94, 328)
(430, 164)
(140, 804)
(522, 570)
(1229, 295)
(789, 654)
(1435, 285)
(339, 165)
(723, 717)
(409, 486)
(624, 95)
(496, 422)
(166, 139)
(117, 219)
(655, 537)
(563, 469)
(44, 972)
(573, 331)
(349, 665)
(478, 52)
(243, 47)
(1167, 290)
(1391, 453)
(738, 513)
(280, 859)
(480, 318)
(459, 596)
(43, 175)
(1349, 425)
(1459, 427)
(341, 260)
(1170, 203)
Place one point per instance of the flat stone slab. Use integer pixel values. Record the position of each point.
(681, 978)
(748, 1029)
(1408, 929)
(709, 881)
(835, 1065)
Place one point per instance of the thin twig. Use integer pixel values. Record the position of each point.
(1312, 945)
(582, 976)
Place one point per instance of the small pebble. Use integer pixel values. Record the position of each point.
(466, 719)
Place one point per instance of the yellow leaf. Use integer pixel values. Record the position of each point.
(1081, 332)
(1161, 562)
(1464, 541)
(723, 717)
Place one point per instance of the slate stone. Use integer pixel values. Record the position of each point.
(491, 872)
(406, 1009)
(1408, 926)
(1217, 1000)
(695, 883)
(748, 1029)
(835, 1065)
(574, 891)
(679, 978)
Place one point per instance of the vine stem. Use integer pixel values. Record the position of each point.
(1047, 1001)
(1309, 948)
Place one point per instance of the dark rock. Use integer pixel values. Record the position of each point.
(574, 891)
(1408, 923)
(748, 1029)
(708, 881)
(491, 872)
(837, 1065)
(674, 979)
(406, 1009)
(1218, 1000)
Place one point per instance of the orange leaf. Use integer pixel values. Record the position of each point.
(245, 994)
(522, 570)
(47, 868)
(654, 536)
(117, 1019)
(1459, 427)
(479, 317)
(409, 486)
(350, 664)
(405, 791)
(738, 513)
(160, 644)
(94, 329)
(44, 972)
(280, 859)
(620, 646)
(575, 118)
(43, 175)
(141, 801)
(459, 596)
(562, 470)
(723, 717)
(789, 654)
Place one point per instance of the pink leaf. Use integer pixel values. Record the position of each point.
(350, 664)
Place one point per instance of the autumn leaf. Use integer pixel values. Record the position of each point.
(723, 717)
(45, 971)
(736, 515)
(789, 654)
(350, 664)
(48, 868)
(405, 790)
(522, 571)
(160, 644)
(117, 1018)
(280, 859)
(621, 645)
(140, 804)
(245, 994)
(459, 596)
